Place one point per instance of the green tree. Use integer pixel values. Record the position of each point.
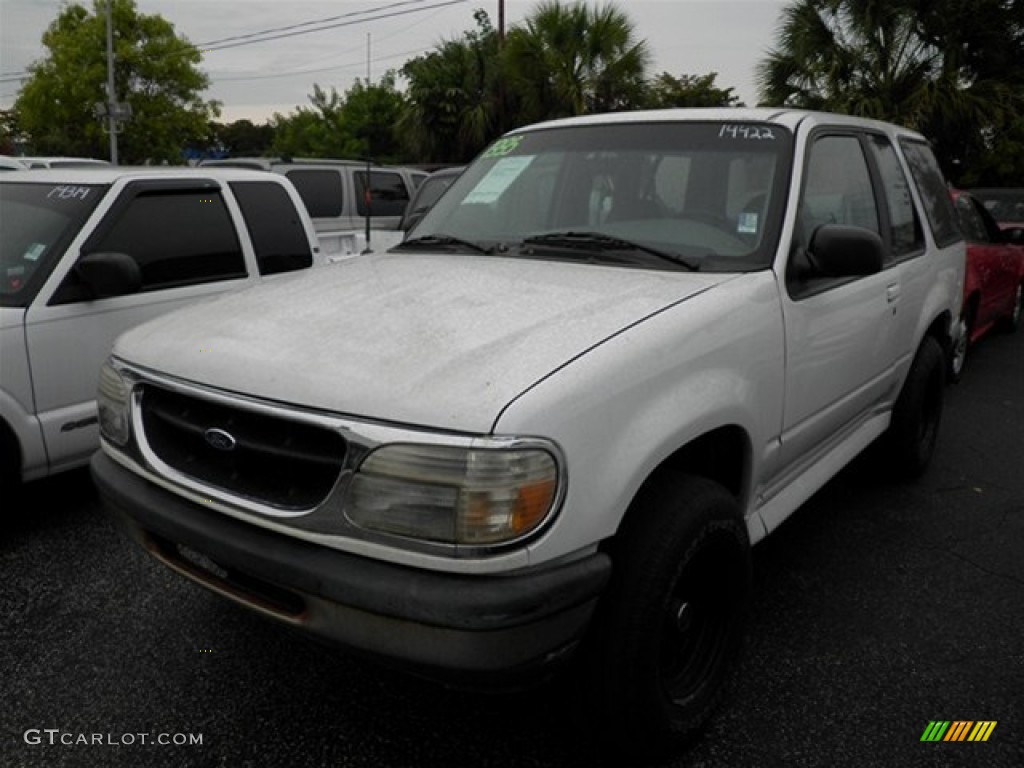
(360, 123)
(155, 73)
(983, 44)
(575, 59)
(311, 131)
(370, 116)
(456, 99)
(666, 91)
(11, 134)
(243, 138)
(949, 68)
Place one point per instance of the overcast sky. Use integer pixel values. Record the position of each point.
(254, 80)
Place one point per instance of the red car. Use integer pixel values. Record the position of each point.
(1006, 204)
(994, 279)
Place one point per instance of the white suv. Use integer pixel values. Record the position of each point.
(86, 254)
(617, 352)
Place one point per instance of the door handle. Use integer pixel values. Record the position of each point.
(892, 292)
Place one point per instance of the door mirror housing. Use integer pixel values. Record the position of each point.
(842, 251)
(1014, 235)
(109, 273)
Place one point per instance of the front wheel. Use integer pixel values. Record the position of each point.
(958, 349)
(670, 627)
(1011, 322)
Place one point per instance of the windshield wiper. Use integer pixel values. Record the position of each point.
(599, 241)
(441, 241)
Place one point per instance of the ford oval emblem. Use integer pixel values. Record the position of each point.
(219, 439)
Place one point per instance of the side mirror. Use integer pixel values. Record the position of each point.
(412, 218)
(1014, 235)
(108, 273)
(842, 251)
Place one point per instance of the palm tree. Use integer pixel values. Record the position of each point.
(891, 61)
(454, 103)
(574, 59)
(861, 57)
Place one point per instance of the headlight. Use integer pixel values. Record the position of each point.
(455, 495)
(112, 400)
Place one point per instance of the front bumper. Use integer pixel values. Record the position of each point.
(447, 625)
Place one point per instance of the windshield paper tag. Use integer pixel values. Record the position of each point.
(34, 251)
(502, 147)
(498, 179)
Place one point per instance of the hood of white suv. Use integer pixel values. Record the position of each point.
(444, 341)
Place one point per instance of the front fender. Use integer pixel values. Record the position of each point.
(623, 408)
(24, 426)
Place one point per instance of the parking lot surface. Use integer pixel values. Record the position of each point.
(879, 608)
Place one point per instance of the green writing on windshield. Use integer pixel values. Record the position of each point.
(502, 147)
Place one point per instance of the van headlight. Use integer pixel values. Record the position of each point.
(112, 401)
(455, 495)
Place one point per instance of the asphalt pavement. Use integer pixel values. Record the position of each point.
(879, 608)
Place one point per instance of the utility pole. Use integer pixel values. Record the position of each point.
(501, 81)
(367, 192)
(111, 96)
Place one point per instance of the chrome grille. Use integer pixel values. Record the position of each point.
(269, 459)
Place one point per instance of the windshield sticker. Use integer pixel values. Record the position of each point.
(68, 192)
(34, 251)
(748, 132)
(498, 179)
(747, 224)
(502, 147)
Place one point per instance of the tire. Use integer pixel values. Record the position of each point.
(669, 630)
(958, 348)
(10, 468)
(1011, 322)
(913, 432)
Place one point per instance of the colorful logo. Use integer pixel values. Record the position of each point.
(958, 730)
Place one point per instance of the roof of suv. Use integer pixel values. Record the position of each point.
(786, 117)
(110, 174)
(268, 163)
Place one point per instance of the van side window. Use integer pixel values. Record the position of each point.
(837, 190)
(320, 190)
(280, 240)
(838, 187)
(938, 206)
(177, 238)
(905, 232)
(388, 193)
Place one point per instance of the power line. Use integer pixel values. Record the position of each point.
(301, 71)
(12, 77)
(350, 14)
(294, 72)
(351, 22)
(294, 30)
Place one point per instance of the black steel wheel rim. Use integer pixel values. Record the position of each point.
(699, 620)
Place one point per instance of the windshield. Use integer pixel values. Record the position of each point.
(38, 221)
(1003, 204)
(703, 195)
(430, 190)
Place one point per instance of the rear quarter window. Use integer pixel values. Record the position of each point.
(388, 195)
(320, 190)
(938, 206)
(278, 236)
